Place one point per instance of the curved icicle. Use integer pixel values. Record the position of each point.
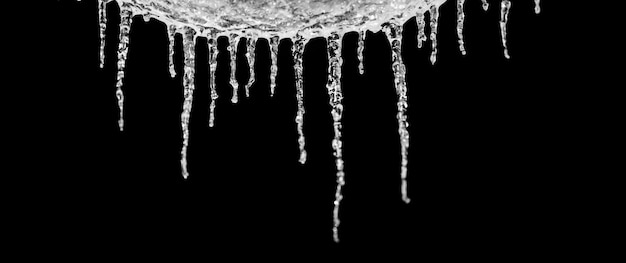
(189, 47)
(274, 68)
(485, 5)
(102, 20)
(250, 55)
(297, 51)
(394, 35)
(232, 49)
(460, 20)
(126, 16)
(360, 48)
(421, 25)
(335, 94)
(434, 22)
(505, 6)
(213, 66)
(171, 33)
(537, 6)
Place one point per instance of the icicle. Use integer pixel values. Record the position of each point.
(213, 66)
(102, 19)
(394, 35)
(126, 16)
(421, 24)
(434, 21)
(460, 20)
(537, 7)
(485, 5)
(505, 6)
(297, 50)
(336, 97)
(274, 68)
(250, 55)
(361, 47)
(232, 49)
(171, 34)
(189, 47)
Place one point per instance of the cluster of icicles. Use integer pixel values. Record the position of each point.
(393, 30)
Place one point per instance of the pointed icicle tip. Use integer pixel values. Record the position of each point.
(537, 6)
(485, 5)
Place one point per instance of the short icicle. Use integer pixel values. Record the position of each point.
(297, 51)
(434, 22)
(505, 6)
(232, 49)
(274, 68)
(213, 66)
(171, 33)
(126, 16)
(189, 47)
(102, 20)
(360, 48)
(485, 5)
(460, 20)
(537, 6)
(394, 35)
(335, 93)
(421, 25)
(250, 55)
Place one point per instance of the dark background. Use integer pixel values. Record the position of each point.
(483, 144)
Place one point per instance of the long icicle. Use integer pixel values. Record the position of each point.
(394, 35)
(485, 5)
(126, 16)
(360, 48)
(189, 47)
(250, 55)
(333, 87)
(297, 51)
(460, 20)
(505, 6)
(421, 25)
(102, 20)
(213, 66)
(434, 22)
(232, 49)
(537, 6)
(274, 68)
(171, 33)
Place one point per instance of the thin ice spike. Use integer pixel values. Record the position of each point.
(460, 21)
(505, 7)
(126, 16)
(232, 49)
(189, 47)
(434, 22)
(213, 66)
(297, 51)
(335, 94)
(250, 55)
(537, 6)
(360, 48)
(274, 68)
(394, 35)
(102, 20)
(421, 25)
(171, 33)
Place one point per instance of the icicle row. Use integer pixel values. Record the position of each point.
(460, 20)
(505, 6)
(232, 49)
(172, 40)
(537, 6)
(189, 47)
(394, 35)
(360, 48)
(434, 21)
(126, 15)
(421, 25)
(213, 66)
(485, 5)
(297, 51)
(250, 55)
(336, 97)
(102, 20)
(274, 68)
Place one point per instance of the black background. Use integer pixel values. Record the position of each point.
(483, 144)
